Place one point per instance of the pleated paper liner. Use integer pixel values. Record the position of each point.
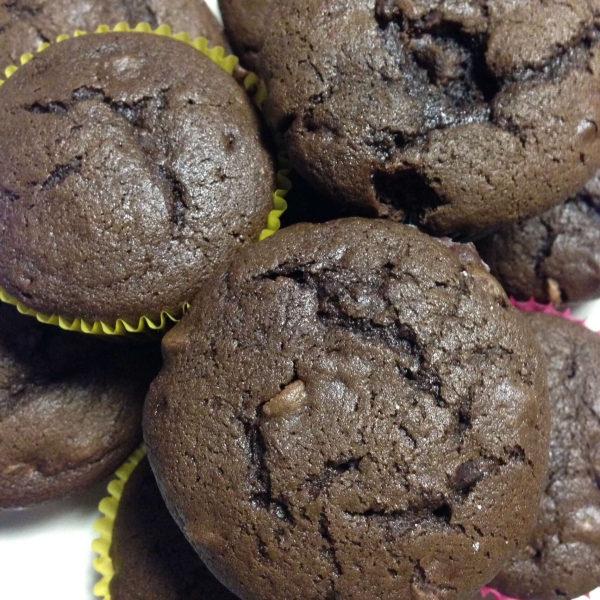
(491, 594)
(547, 309)
(152, 323)
(105, 525)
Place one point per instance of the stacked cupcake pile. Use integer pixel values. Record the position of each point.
(348, 404)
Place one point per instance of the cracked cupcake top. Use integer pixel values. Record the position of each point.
(562, 558)
(355, 411)
(25, 24)
(554, 257)
(131, 166)
(456, 115)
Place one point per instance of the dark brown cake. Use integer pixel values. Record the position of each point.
(457, 116)
(554, 257)
(562, 559)
(355, 411)
(70, 408)
(244, 22)
(151, 557)
(306, 205)
(131, 166)
(26, 24)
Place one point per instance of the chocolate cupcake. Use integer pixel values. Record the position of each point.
(24, 25)
(356, 411)
(562, 558)
(131, 167)
(554, 257)
(244, 22)
(70, 408)
(458, 117)
(150, 556)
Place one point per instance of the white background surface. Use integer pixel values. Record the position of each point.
(45, 553)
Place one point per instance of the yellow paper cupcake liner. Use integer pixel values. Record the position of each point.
(216, 54)
(105, 525)
(148, 323)
(121, 327)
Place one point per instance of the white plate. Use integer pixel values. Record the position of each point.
(45, 553)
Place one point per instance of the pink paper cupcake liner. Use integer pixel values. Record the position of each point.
(486, 592)
(547, 309)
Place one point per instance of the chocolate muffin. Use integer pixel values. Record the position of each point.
(455, 116)
(244, 22)
(151, 557)
(554, 257)
(26, 24)
(70, 408)
(132, 166)
(353, 411)
(562, 559)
